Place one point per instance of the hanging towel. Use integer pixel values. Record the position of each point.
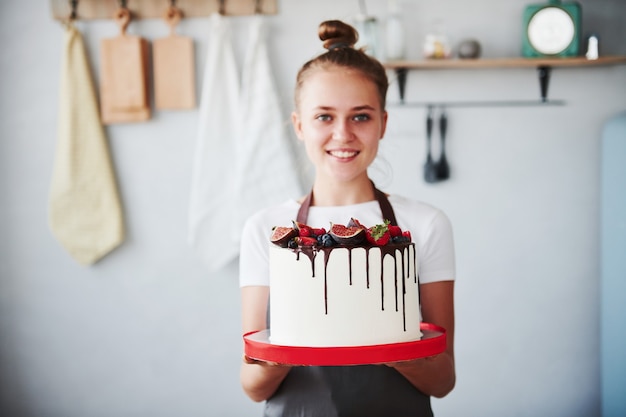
(212, 180)
(267, 172)
(84, 208)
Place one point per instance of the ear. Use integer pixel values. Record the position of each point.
(297, 124)
(383, 127)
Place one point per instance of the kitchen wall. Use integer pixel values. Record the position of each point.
(149, 332)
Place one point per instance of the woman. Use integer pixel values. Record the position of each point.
(340, 117)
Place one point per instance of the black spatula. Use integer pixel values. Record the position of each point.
(443, 169)
(430, 168)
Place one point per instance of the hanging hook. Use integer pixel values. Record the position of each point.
(172, 16)
(222, 7)
(258, 6)
(122, 16)
(73, 8)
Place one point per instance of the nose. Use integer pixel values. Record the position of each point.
(342, 131)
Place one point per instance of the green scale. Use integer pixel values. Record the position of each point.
(551, 29)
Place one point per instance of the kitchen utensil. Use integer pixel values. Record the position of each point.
(430, 168)
(173, 66)
(443, 169)
(124, 82)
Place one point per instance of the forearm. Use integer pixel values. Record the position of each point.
(260, 381)
(434, 376)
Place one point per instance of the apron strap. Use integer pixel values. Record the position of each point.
(383, 202)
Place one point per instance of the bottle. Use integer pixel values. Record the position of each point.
(436, 44)
(395, 36)
(367, 26)
(592, 47)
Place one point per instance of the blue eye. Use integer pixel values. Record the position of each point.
(361, 117)
(323, 118)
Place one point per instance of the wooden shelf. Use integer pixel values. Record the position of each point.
(440, 64)
(543, 66)
(150, 9)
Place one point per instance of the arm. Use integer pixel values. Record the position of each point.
(434, 375)
(259, 380)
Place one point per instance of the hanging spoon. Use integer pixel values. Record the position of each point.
(430, 168)
(443, 169)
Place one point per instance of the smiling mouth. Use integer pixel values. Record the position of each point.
(343, 154)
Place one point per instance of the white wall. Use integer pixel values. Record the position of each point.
(147, 331)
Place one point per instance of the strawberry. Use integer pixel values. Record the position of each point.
(394, 230)
(407, 234)
(319, 231)
(303, 229)
(306, 241)
(378, 235)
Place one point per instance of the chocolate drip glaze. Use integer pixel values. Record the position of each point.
(404, 250)
(391, 249)
(350, 263)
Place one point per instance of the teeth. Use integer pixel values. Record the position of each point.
(343, 154)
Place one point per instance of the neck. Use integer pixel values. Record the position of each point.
(333, 193)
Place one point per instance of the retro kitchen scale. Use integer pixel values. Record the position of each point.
(551, 29)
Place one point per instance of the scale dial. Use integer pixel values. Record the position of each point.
(551, 30)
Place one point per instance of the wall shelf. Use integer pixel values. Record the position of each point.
(543, 66)
(479, 103)
(150, 9)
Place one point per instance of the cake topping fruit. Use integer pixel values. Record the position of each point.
(282, 235)
(303, 229)
(305, 241)
(378, 235)
(347, 235)
(352, 234)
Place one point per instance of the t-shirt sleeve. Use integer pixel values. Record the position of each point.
(437, 254)
(254, 253)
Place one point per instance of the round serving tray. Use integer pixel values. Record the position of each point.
(257, 346)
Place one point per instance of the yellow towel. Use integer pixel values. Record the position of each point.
(84, 208)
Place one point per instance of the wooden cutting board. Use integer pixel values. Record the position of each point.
(124, 92)
(174, 68)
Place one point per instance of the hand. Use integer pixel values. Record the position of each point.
(411, 363)
(251, 361)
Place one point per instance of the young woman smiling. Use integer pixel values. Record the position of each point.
(340, 117)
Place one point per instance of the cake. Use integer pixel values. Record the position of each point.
(352, 286)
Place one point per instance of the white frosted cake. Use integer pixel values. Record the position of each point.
(353, 291)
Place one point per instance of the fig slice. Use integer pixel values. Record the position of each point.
(355, 223)
(345, 235)
(282, 235)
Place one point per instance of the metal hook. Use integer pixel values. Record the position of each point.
(222, 7)
(73, 8)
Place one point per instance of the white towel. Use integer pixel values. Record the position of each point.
(267, 172)
(212, 183)
(84, 209)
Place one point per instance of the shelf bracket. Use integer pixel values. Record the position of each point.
(401, 74)
(543, 73)
(544, 80)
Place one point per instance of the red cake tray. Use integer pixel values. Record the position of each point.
(257, 346)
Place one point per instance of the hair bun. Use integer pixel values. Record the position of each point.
(337, 34)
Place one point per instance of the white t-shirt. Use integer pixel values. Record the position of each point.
(430, 231)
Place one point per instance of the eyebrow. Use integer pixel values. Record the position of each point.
(357, 108)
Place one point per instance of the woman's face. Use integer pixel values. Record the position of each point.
(340, 120)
